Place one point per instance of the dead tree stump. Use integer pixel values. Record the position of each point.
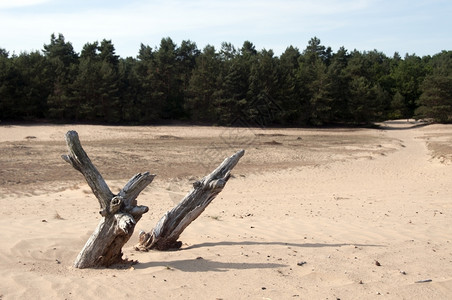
(165, 234)
(120, 212)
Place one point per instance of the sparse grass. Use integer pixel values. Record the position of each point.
(58, 216)
(182, 157)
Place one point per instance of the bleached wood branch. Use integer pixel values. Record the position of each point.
(167, 231)
(120, 212)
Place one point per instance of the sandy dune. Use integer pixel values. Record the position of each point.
(309, 214)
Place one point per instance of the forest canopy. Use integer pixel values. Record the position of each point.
(226, 86)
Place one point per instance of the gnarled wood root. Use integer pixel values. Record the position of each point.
(165, 234)
(120, 212)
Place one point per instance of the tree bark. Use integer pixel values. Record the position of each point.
(120, 212)
(165, 234)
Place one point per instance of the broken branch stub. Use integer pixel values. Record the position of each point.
(120, 212)
(165, 234)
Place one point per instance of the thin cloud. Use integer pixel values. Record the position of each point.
(6, 4)
(356, 24)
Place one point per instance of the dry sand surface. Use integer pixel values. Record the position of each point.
(309, 213)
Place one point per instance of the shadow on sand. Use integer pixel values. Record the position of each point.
(204, 265)
(401, 124)
(250, 243)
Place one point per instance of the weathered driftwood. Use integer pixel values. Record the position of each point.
(120, 212)
(167, 231)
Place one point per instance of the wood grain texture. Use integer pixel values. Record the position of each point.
(165, 234)
(120, 212)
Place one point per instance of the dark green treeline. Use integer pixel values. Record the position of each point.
(227, 86)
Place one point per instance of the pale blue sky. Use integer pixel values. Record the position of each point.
(405, 26)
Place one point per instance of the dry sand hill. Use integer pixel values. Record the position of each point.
(309, 214)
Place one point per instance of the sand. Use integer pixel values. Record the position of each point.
(309, 213)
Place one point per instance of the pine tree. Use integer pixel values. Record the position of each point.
(203, 85)
(435, 101)
(62, 61)
(289, 97)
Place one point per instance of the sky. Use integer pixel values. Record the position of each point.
(412, 26)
